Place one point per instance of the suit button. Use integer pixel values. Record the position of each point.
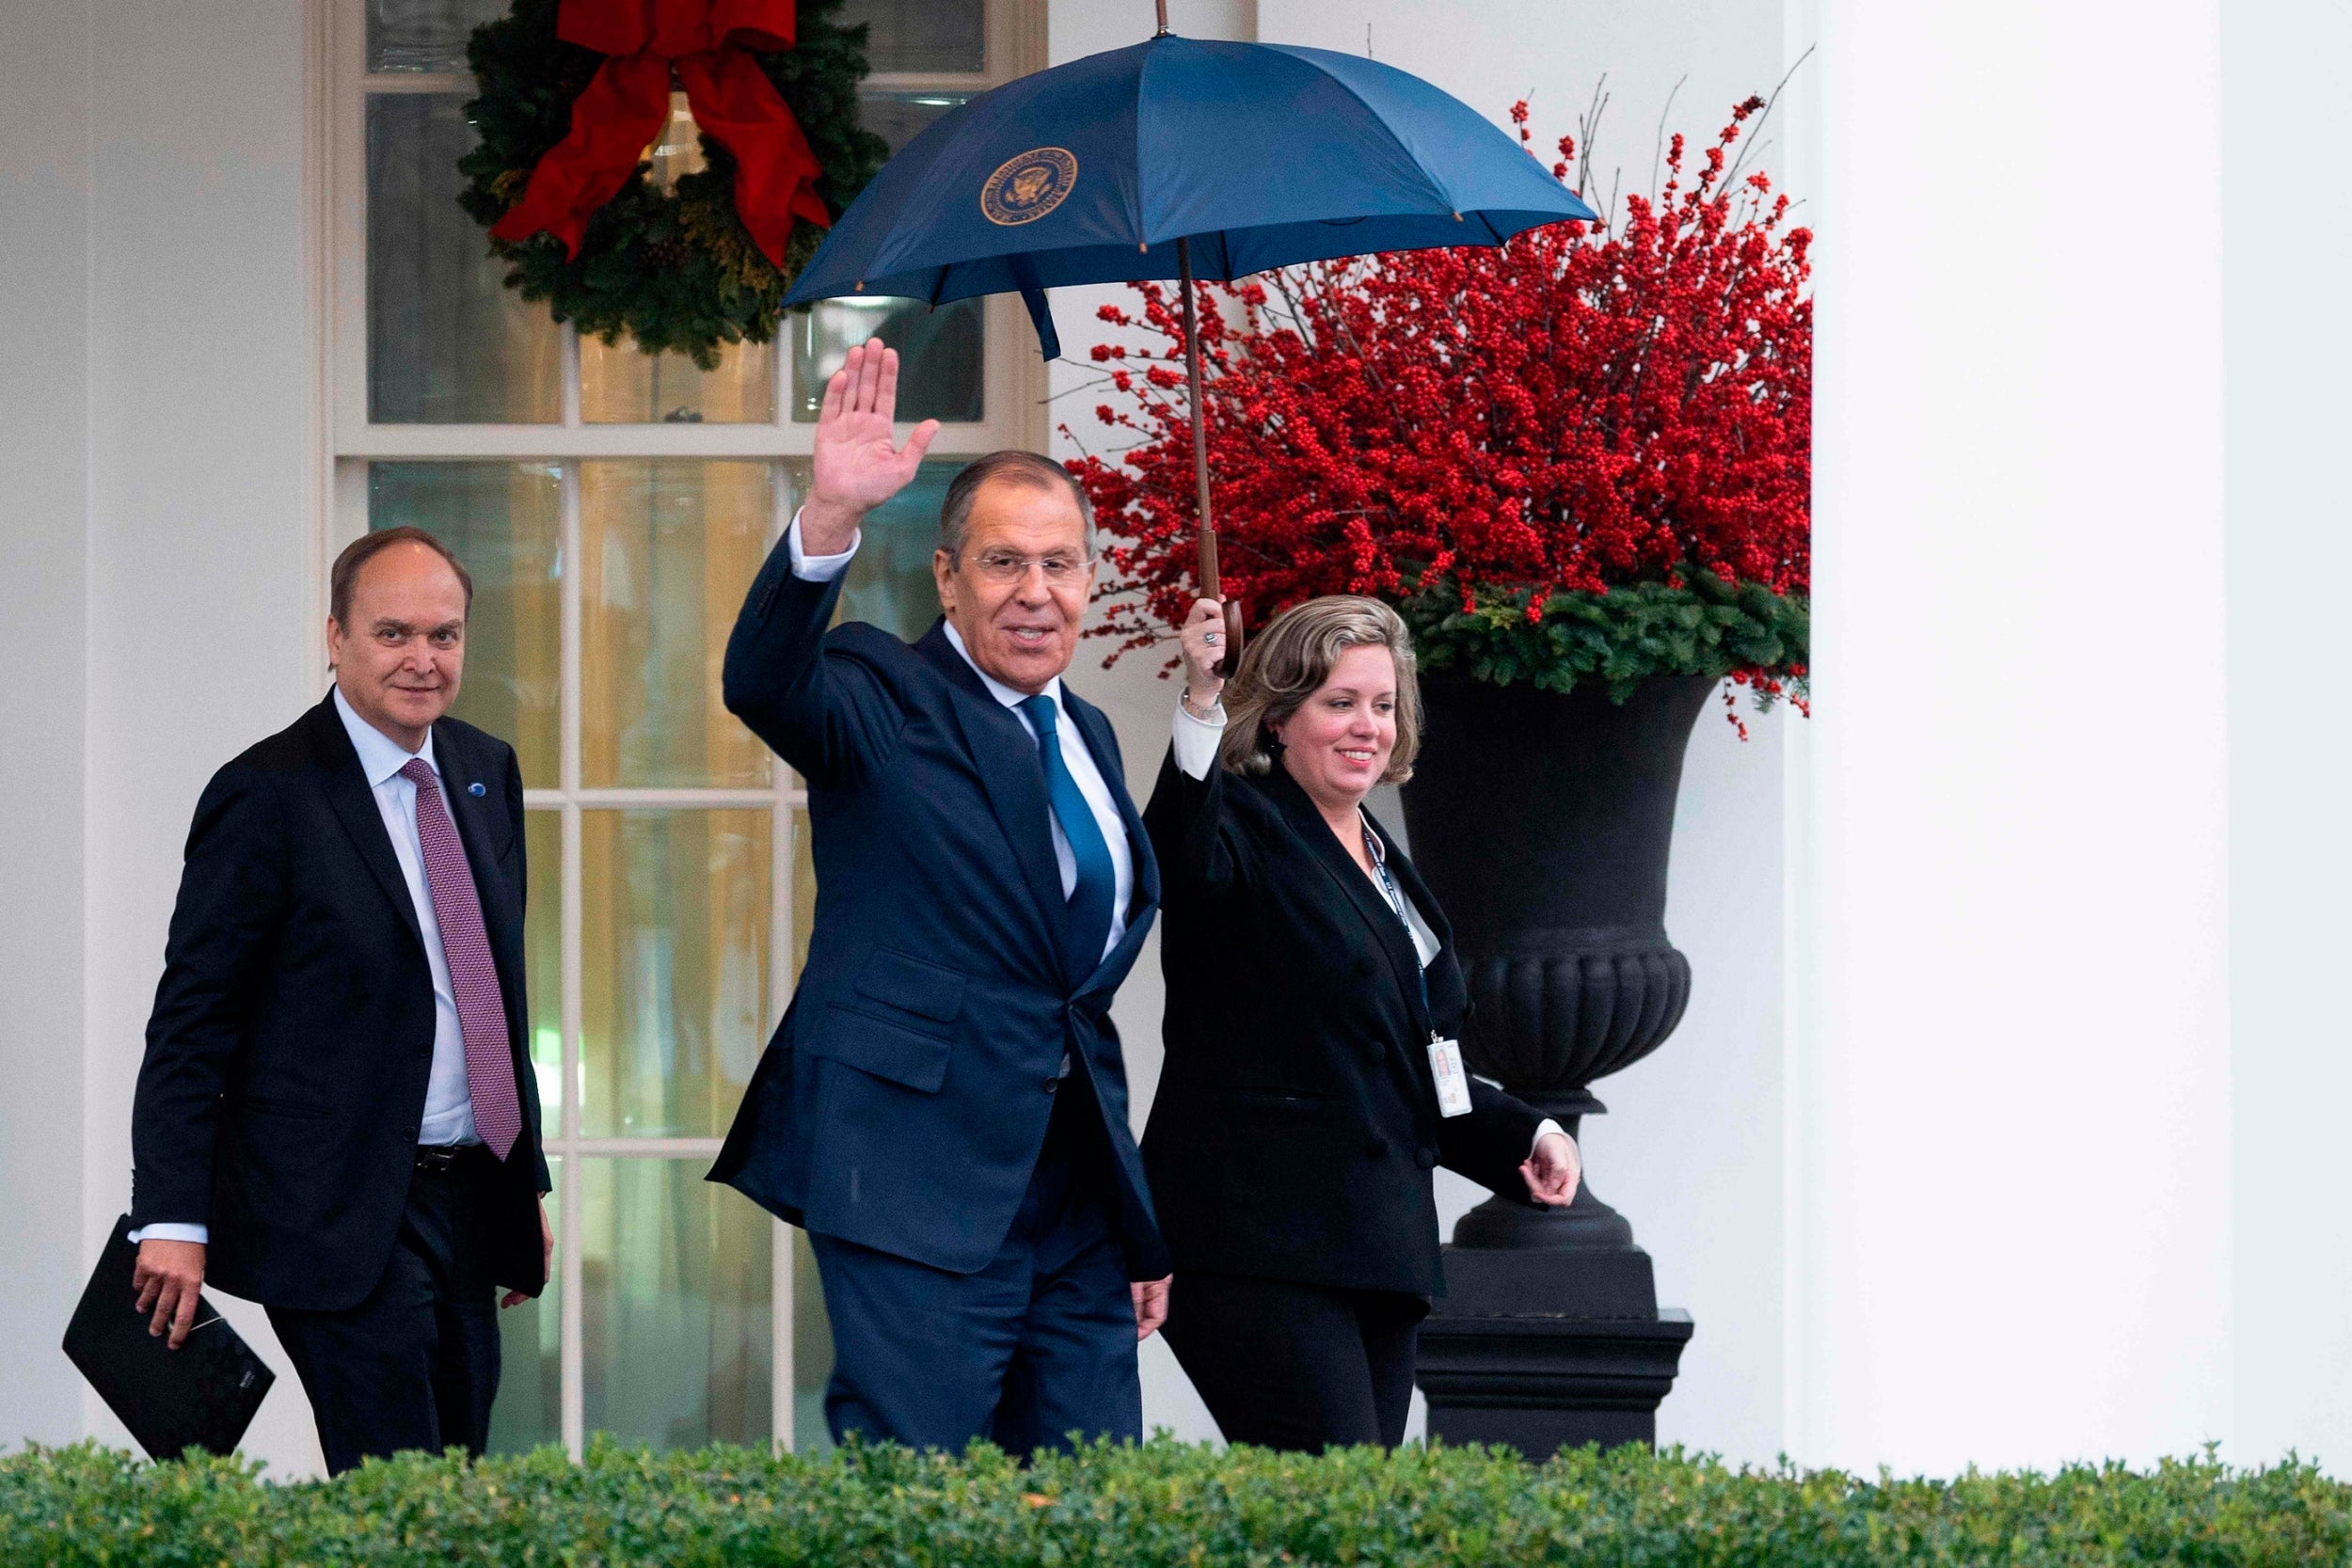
(1363, 969)
(1374, 1051)
(1052, 1085)
(1425, 1158)
(1377, 1147)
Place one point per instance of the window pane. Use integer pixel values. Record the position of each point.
(940, 354)
(667, 550)
(812, 1351)
(503, 521)
(677, 1347)
(898, 118)
(424, 35)
(621, 385)
(530, 1408)
(673, 976)
(921, 35)
(543, 948)
(448, 341)
(890, 583)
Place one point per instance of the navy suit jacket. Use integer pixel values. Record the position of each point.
(903, 1099)
(292, 1039)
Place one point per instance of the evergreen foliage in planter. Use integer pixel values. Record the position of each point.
(1162, 1503)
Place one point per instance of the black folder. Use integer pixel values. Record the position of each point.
(203, 1394)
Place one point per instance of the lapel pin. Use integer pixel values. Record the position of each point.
(475, 789)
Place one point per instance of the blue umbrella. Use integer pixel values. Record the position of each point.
(1174, 159)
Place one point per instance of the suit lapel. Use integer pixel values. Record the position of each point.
(1006, 759)
(347, 791)
(1356, 888)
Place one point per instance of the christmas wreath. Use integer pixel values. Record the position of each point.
(571, 93)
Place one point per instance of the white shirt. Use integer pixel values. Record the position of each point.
(1074, 754)
(1196, 741)
(447, 1102)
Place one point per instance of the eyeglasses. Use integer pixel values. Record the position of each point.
(1061, 568)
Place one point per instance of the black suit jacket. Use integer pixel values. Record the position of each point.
(905, 1096)
(292, 1033)
(1296, 1120)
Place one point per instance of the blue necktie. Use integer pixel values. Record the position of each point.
(1090, 899)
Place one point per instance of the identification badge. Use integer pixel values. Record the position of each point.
(1445, 1065)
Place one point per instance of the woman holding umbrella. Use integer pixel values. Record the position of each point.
(1313, 1079)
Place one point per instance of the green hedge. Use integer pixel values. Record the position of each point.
(1160, 1503)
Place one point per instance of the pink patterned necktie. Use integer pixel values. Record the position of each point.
(473, 974)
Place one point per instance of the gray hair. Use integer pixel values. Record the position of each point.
(1290, 661)
(1013, 466)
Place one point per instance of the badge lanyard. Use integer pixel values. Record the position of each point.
(1445, 1056)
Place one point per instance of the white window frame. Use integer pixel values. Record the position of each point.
(1014, 391)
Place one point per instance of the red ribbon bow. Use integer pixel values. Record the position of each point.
(623, 110)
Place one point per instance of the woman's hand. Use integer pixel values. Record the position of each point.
(1203, 638)
(1552, 1171)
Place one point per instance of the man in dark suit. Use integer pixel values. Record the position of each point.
(945, 1105)
(336, 1117)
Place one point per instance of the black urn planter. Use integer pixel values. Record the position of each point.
(1543, 824)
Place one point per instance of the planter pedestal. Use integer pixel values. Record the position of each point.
(1542, 824)
(1549, 1334)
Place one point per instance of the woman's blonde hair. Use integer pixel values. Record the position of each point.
(1288, 662)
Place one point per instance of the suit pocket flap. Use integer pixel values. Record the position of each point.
(927, 989)
(874, 1044)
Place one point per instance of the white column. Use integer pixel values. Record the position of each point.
(2290, 417)
(2014, 1116)
(44, 509)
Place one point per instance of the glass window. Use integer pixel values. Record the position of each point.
(529, 1411)
(619, 384)
(898, 118)
(503, 522)
(612, 507)
(667, 550)
(448, 341)
(940, 353)
(424, 35)
(542, 949)
(921, 35)
(812, 1351)
(890, 582)
(676, 1281)
(675, 912)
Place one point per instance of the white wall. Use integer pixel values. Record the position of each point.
(2016, 1206)
(44, 605)
(158, 546)
(2289, 334)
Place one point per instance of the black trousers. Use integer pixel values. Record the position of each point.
(1036, 1345)
(1296, 1367)
(416, 1364)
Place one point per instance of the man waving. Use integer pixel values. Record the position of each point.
(944, 1106)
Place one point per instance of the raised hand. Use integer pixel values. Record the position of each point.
(858, 466)
(1203, 639)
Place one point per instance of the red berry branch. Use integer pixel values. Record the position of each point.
(1583, 453)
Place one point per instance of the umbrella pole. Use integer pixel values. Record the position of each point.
(1209, 582)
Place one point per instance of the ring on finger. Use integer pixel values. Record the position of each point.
(1212, 639)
